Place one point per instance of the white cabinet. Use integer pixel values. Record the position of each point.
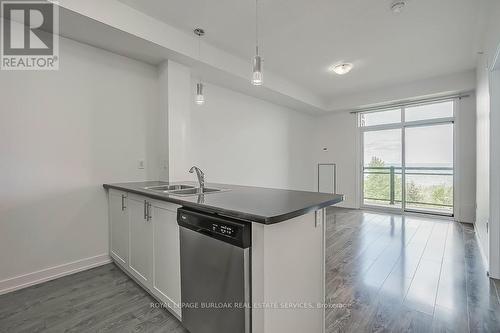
(166, 255)
(118, 227)
(144, 241)
(141, 240)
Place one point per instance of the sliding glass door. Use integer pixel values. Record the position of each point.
(429, 168)
(407, 158)
(382, 164)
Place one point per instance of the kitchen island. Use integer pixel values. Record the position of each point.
(286, 265)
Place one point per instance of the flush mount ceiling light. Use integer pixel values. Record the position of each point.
(342, 69)
(200, 98)
(257, 77)
(398, 6)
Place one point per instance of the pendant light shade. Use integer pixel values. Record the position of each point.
(257, 77)
(200, 98)
(257, 71)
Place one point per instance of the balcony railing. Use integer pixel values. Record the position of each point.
(395, 174)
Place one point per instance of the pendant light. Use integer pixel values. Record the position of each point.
(200, 98)
(257, 78)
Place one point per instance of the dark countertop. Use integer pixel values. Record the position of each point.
(256, 204)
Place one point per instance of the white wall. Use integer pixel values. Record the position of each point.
(483, 154)
(488, 138)
(62, 135)
(234, 138)
(179, 122)
(163, 134)
(465, 160)
(493, 51)
(239, 139)
(339, 134)
(494, 229)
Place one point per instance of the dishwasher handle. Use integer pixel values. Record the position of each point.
(205, 232)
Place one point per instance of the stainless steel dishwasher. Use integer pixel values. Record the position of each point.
(215, 273)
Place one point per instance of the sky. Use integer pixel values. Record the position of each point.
(425, 146)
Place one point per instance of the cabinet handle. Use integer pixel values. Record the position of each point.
(123, 202)
(145, 209)
(149, 212)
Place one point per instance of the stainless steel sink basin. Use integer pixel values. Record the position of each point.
(195, 191)
(169, 188)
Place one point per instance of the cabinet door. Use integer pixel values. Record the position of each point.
(119, 227)
(166, 256)
(141, 240)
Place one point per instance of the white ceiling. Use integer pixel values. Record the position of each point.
(301, 39)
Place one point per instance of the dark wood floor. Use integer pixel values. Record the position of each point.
(402, 274)
(102, 299)
(385, 273)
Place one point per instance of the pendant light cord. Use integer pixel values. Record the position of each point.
(202, 11)
(199, 56)
(256, 27)
(199, 48)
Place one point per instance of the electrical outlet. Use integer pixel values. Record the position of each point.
(141, 164)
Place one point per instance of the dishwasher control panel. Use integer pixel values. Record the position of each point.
(236, 232)
(224, 229)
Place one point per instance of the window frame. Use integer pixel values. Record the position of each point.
(403, 125)
(379, 111)
(403, 114)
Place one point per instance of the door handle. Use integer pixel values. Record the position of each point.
(123, 202)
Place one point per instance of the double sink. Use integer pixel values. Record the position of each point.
(182, 190)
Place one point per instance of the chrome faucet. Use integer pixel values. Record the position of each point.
(201, 177)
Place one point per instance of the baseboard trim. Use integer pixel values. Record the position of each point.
(44, 275)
